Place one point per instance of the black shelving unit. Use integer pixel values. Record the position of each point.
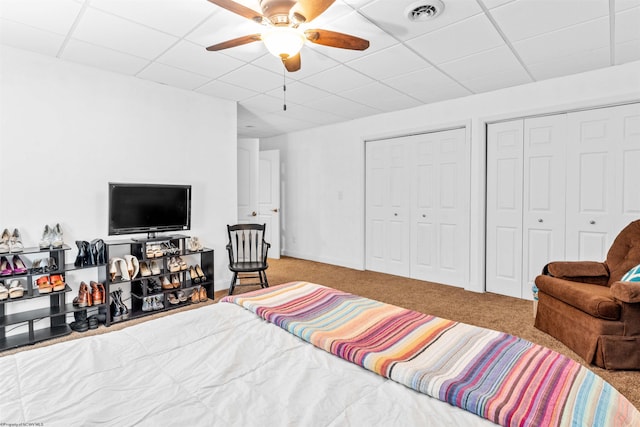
(56, 310)
(138, 284)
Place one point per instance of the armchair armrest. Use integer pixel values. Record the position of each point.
(578, 271)
(628, 292)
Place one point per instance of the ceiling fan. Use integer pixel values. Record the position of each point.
(283, 37)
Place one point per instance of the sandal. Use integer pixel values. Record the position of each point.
(16, 290)
(4, 292)
(57, 281)
(44, 286)
(173, 300)
(18, 265)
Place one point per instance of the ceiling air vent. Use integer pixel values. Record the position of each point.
(424, 10)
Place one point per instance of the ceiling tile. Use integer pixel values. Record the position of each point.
(483, 64)
(392, 16)
(497, 80)
(100, 57)
(56, 16)
(570, 64)
(343, 107)
(378, 66)
(522, 19)
(626, 4)
(300, 93)
(338, 79)
(628, 25)
(254, 78)
(194, 58)
(29, 38)
(109, 31)
(427, 85)
(172, 76)
(492, 4)
(558, 44)
(464, 38)
(380, 97)
(264, 103)
(185, 14)
(627, 52)
(226, 91)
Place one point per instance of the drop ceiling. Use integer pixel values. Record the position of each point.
(473, 46)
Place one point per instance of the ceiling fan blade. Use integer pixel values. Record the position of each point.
(292, 63)
(335, 39)
(235, 42)
(241, 10)
(310, 9)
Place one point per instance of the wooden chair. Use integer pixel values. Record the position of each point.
(247, 254)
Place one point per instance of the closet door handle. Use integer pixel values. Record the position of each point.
(395, 214)
(592, 222)
(540, 220)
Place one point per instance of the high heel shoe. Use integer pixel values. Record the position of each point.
(4, 242)
(97, 291)
(83, 257)
(98, 256)
(18, 265)
(45, 241)
(123, 307)
(200, 273)
(203, 294)
(57, 239)
(84, 296)
(166, 284)
(195, 278)
(5, 267)
(15, 242)
(133, 266)
(116, 309)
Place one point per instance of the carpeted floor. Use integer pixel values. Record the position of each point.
(502, 313)
(510, 315)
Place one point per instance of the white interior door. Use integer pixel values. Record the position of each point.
(269, 198)
(247, 180)
(543, 196)
(387, 207)
(504, 208)
(439, 232)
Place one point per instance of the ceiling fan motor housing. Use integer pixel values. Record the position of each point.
(277, 11)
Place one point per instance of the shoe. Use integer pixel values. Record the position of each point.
(173, 299)
(181, 296)
(116, 309)
(133, 266)
(123, 307)
(84, 296)
(104, 294)
(96, 252)
(166, 284)
(93, 322)
(153, 286)
(155, 269)
(194, 276)
(5, 267)
(144, 269)
(82, 258)
(4, 242)
(174, 265)
(44, 286)
(195, 296)
(122, 268)
(45, 241)
(97, 294)
(16, 290)
(149, 251)
(175, 281)
(15, 242)
(80, 316)
(4, 292)
(18, 265)
(82, 326)
(203, 294)
(57, 281)
(183, 265)
(146, 304)
(57, 239)
(195, 245)
(157, 303)
(200, 273)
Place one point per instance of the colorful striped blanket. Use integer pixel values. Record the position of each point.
(497, 376)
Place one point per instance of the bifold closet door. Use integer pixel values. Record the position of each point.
(603, 175)
(525, 201)
(387, 206)
(439, 207)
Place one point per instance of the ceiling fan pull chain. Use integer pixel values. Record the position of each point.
(284, 91)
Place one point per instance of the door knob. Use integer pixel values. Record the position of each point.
(254, 213)
(395, 214)
(592, 222)
(275, 210)
(424, 216)
(540, 220)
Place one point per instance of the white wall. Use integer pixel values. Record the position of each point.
(323, 168)
(66, 130)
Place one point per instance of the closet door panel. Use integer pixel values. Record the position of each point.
(504, 208)
(544, 141)
(629, 172)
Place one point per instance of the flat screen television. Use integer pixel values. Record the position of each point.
(148, 208)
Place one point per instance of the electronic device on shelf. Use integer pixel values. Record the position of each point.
(148, 208)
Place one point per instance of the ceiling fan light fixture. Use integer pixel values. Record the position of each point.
(283, 42)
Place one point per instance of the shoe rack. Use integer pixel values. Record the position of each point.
(11, 313)
(139, 297)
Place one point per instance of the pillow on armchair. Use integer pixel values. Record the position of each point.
(632, 275)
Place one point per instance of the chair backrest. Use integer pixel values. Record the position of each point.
(624, 253)
(246, 243)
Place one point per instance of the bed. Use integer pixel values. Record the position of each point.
(224, 364)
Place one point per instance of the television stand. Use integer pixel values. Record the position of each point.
(153, 237)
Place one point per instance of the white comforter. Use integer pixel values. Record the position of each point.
(215, 365)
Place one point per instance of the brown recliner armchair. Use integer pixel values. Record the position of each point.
(586, 306)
